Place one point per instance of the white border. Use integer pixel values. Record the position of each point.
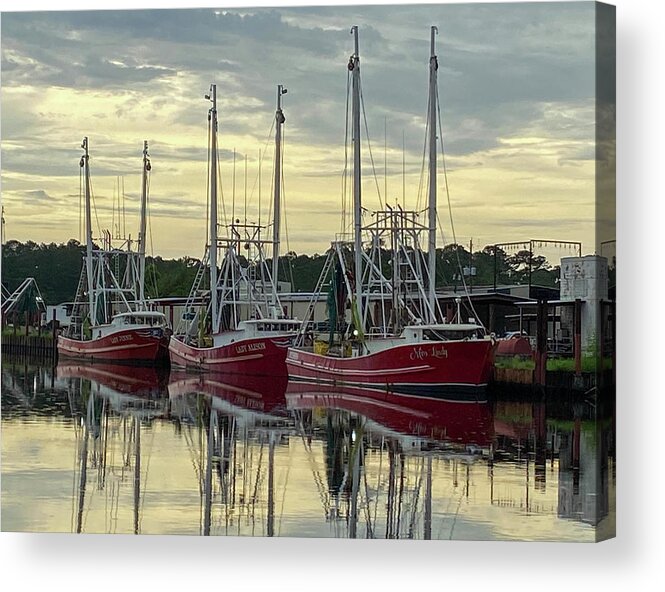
(633, 559)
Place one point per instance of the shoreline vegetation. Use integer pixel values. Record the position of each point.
(57, 267)
(559, 364)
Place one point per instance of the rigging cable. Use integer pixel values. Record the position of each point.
(207, 180)
(124, 219)
(421, 182)
(94, 207)
(450, 213)
(152, 248)
(80, 205)
(257, 179)
(345, 172)
(286, 225)
(221, 188)
(369, 146)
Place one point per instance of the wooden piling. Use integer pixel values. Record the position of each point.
(539, 377)
(37, 347)
(577, 342)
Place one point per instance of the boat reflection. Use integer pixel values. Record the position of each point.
(254, 398)
(116, 381)
(423, 423)
(111, 402)
(222, 454)
(361, 424)
(237, 414)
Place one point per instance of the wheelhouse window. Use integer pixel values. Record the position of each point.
(451, 334)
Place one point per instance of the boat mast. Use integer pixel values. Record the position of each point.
(433, 67)
(85, 164)
(142, 228)
(354, 66)
(427, 534)
(271, 485)
(279, 122)
(212, 118)
(137, 473)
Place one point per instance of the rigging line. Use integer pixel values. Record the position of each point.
(152, 248)
(262, 156)
(440, 272)
(414, 508)
(77, 453)
(124, 219)
(421, 182)
(403, 171)
(94, 207)
(245, 213)
(345, 171)
(207, 181)
(286, 224)
(115, 189)
(450, 213)
(369, 146)
(378, 478)
(286, 480)
(369, 532)
(80, 205)
(385, 158)
(233, 191)
(147, 472)
(221, 188)
(457, 511)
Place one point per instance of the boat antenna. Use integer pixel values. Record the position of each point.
(433, 67)
(277, 184)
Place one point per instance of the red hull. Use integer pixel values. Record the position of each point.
(444, 421)
(264, 355)
(144, 346)
(435, 369)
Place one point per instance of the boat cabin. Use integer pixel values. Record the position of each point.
(256, 328)
(444, 332)
(144, 318)
(131, 320)
(263, 326)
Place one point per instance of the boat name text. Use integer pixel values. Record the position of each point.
(250, 347)
(420, 353)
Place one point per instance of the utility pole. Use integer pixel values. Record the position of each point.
(471, 265)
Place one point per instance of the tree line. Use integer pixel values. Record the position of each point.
(57, 267)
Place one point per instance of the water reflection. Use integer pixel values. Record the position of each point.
(406, 433)
(119, 449)
(241, 416)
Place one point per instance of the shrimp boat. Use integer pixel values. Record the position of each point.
(111, 320)
(389, 333)
(236, 324)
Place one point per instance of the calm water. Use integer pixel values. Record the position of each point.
(101, 449)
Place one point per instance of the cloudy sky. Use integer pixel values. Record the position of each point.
(516, 90)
